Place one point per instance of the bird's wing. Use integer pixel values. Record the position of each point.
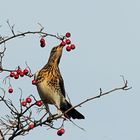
(61, 83)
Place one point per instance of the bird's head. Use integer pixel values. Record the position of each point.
(55, 54)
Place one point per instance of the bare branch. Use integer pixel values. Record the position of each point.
(124, 87)
(30, 32)
(11, 27)
(1, 136)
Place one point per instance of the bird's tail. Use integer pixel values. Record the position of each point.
(73, 113)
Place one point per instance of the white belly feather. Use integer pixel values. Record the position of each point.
(48, 94)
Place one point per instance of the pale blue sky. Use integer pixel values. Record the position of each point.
(107, 36)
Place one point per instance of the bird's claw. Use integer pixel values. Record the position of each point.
(50, 118)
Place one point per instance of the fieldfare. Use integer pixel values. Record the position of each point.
(50, 85)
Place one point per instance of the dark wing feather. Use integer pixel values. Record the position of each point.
(61, 83)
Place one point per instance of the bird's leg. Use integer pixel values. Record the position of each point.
(54, 116)
(51, 116)
(59, 112)
(48, 110)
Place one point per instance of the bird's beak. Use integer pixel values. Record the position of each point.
(59, 47)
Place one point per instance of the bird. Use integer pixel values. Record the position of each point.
(50, 85)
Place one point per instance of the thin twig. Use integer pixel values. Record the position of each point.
(30, 32)
(125, 87)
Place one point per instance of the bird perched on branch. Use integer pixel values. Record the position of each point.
(50, 85)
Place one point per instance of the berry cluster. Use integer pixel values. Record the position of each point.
(18, 73)
(28, 100)
(42, 42)
(67, 42)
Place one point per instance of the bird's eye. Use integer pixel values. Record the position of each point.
(54, 50)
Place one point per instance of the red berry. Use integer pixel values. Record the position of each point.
(23, 103)
(18, 71)
(60, 132)
(25, 71)
(39, 103)
(63, 43)
(42, 40)
(31, 125)
(16, 76)
(68, 48)
(10, 90)
(42, 45)
(28, 100)
(12, 74)
(34, 82)
(68, 41)
(21, 74)
(72, 46)
(68, 34)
